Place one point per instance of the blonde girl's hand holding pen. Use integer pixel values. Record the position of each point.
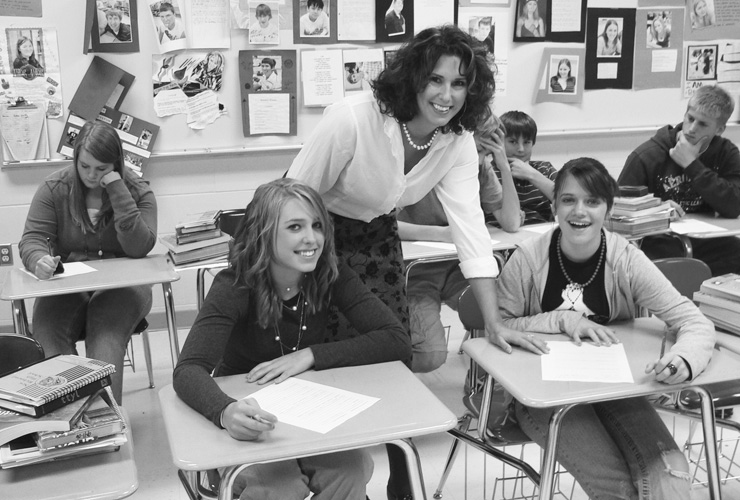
(47, 265)
(246, 421)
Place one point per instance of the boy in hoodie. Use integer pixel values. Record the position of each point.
(698, 171)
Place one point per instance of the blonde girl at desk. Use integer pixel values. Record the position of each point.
(94, 209)
(574, 280)
(266, 316)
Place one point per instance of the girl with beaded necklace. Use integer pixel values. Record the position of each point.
(574, 280)
(266, 316)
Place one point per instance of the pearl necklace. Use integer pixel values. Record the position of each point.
(301, 325)
(572, 286)
(413, 144)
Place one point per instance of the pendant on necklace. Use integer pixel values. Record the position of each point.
(572, 293)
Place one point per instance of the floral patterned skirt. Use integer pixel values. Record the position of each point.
(373, 250)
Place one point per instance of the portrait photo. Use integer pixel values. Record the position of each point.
(267, 71)
(659, 29)
(609, 37)
(314, 18)
(531, 16)
(483, 29)
(144, 139)
(264, 28)
(168, 21)
(701, 13)
(124, 122)
(114, 21)
(701, 62)
(563, 74)
(26, 51)
(395, 23)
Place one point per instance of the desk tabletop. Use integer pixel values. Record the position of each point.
(406, 409)
(105, 476)
(730, 227)
(521, 372)
(111, 273)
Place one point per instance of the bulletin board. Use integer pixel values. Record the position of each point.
(601, 109)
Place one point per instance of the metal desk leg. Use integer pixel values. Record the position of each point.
(710, 442)
(688, 250)
(413, 465)
(200, 286)
(169, 307)
(547, 471)
(20, 320)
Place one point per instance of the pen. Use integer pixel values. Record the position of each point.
(662, 346)
(261, 419)
(48, 245)
(60, 266)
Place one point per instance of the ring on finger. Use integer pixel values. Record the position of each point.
(672, 368)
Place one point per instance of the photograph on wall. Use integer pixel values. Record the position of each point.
(361, 66)
(494, 30)
(169, 25)
(191, 72)
(701, 13)
(394, 20)
(315, 21)
(114, 26)
(264, 27)
(26, 50)
(563, 74)
(483, 30)
(530, 21)
(701, 62)
(268, 81)
(658, 49)
(610, 45)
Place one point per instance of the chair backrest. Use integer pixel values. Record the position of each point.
(17, 351)
(684, 273)
(229, 220)
(469, 312)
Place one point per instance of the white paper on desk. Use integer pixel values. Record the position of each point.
(539, 228)
(568, 362)
(694, 226)
(437, 244)
(311, 406)
(70, 269)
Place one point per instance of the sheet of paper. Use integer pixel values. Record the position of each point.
(437, 244)
(694, 226)
(23, 131)
(568, 362)
(539, 228)
(322, 77)
(354, 20)
(269, 113)
(664, 61)
(21, 8)
(311, 406)
(70, 269)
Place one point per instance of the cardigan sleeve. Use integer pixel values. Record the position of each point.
(135, 220)
(381, 339)
(41, 223)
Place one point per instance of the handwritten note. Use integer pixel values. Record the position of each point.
(568, 362)
(311, 406)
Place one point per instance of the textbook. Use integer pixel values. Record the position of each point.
(632, 191)
(51, 383)
(206, 220)
(629, 213)
(637, 203)
(726, 286)
(23, 451)
(195, 251)
(14, 425)
(639, 225)
(198, 236)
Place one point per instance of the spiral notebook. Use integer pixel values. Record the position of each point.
(52, 378)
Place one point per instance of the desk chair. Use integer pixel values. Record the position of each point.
(501, 431)
(228, 222)
(17, 351)
(687, 274)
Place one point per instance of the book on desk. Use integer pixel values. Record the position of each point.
(195, 251)
(719, 300)
(49, 384)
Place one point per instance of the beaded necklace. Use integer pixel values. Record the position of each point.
(413, 144)
(301, 325)
(573, 289)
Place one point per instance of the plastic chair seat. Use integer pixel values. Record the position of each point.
(17, 351)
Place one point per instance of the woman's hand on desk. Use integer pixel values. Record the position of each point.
(505, 337)
(599, 334)
(46, 266)
(283, 367)
(670, 369)
(246, 421)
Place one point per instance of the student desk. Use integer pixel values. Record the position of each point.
(730, 227)
(520, 373)
(406, 409)
(200, 279)
(104, 476)
(111, 273)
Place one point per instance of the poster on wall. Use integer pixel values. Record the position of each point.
(268, 82)
(114, 26)
(561, 75)
(609, 48)
(490, 26)
(361, 66)
(394, 20)
(561, 21)
(712, 19)
(658, 48)
(315, 22)
(190, 24)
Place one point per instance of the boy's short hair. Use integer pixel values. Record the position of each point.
(114, 13)
(270, 61)
(263, 10)
(318, 3)
(520, 124)
(166, 6)
(714, 101)
(485, 21)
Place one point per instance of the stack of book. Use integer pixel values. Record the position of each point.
(201, 227)
(73, 411)
(186, 253)
(639, 215)
(719, 300)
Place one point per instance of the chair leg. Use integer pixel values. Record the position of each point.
(454, 449)
(148, 357)
(466, 337)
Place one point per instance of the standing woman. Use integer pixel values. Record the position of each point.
(574, 280)
(529, 23)
(374, 152)
(608, 43)
(94, 209)
(563, 81)
(266, 316)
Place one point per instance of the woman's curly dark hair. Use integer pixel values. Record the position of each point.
(396, 87)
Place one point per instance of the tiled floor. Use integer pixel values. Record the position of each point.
(472, 476)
